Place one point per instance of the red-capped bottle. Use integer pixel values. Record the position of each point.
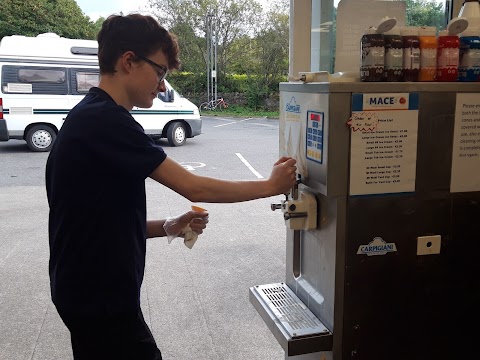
(448, 53)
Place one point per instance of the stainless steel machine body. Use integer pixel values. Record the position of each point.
(383, 275)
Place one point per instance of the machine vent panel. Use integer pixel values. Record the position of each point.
(294, 316)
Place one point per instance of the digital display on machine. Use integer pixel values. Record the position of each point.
(315, 136)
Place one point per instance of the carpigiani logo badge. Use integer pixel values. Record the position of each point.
(377, 247)
(292, 106)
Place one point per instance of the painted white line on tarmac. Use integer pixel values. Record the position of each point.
(220, 119)
(250, 167)
(265, 125)
(235, 122)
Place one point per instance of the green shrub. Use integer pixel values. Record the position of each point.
(187, 82)
(194, 86)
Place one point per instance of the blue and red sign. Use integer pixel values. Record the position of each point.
(315, 136)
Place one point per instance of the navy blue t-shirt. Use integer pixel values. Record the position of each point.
(95, 179)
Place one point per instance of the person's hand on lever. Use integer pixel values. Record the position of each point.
(283, 176)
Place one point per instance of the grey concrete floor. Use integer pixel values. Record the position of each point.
(195, 301)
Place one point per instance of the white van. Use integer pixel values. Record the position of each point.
(43, 77)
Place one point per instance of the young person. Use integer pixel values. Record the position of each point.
(95, 180)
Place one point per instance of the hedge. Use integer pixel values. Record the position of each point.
(192, 83)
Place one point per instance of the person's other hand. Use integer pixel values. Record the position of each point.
(196, 219)
(283, 176)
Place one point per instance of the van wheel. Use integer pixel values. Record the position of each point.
(40, 138)
(176, 134)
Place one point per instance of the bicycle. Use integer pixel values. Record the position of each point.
(214, 105)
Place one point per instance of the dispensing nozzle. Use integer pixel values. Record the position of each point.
(299, 212)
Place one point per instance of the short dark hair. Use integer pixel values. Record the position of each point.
(141, 34)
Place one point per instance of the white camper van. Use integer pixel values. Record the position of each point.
(43, 77)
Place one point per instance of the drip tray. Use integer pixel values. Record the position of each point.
(295, 327)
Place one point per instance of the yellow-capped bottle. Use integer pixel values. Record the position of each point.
(428, 53)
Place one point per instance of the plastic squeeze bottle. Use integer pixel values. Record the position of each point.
(428, 53)
(469, 68)
(393, 70)
(448, 52)
(471, 11)
(372, 47)
(411, 53)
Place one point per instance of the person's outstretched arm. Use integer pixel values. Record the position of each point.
(211, 190)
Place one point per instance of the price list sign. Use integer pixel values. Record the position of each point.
(466, 144)
(383, 151)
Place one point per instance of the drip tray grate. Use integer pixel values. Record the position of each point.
(292, 313)
(295, 327)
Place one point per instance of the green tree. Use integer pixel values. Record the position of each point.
(33, 17)
(188, 20)
(243, 52)
(97, 25)
(192, 47)
(249, 41)
(425, 13)
(269, 55)
(262, 57)
(272, 48)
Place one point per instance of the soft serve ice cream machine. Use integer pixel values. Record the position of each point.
(383, 226)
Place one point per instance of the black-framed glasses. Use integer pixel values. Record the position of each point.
(160, 69)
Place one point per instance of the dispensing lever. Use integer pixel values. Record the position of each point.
(293, 192)
(295, 187)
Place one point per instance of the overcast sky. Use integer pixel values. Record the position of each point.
(96, 8)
